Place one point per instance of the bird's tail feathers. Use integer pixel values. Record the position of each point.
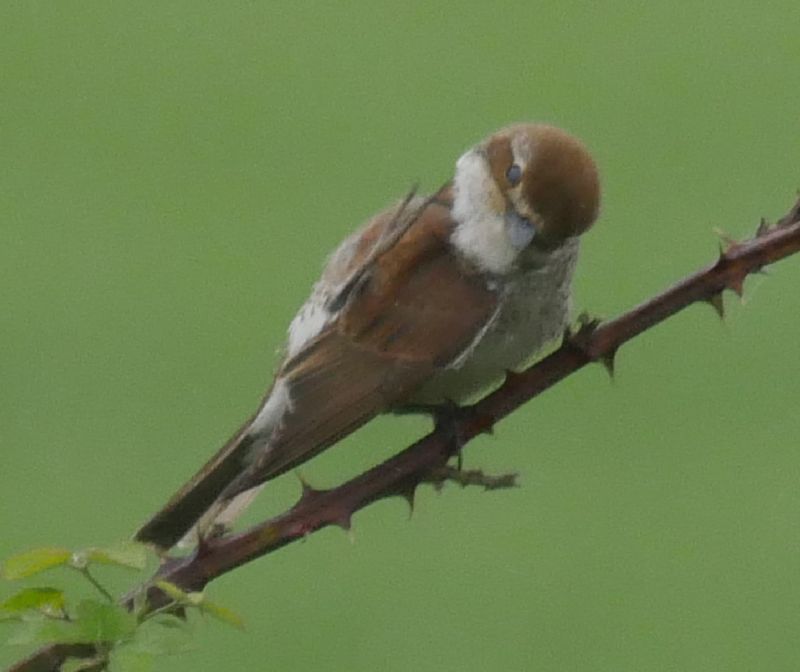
(220, 517)
(196, 506)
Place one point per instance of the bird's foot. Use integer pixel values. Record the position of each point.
(447, 420)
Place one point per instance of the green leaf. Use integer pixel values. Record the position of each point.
(139, 606)
(47, 631)
(33, 562)
(49, 601)
(103, 622)
(124, 554)
(200, 601)
(170, 621)
(195, 599)
(94, 622)
(174, 592)
(125, 659)
(162, 636)
(222, 614)
(80, 664)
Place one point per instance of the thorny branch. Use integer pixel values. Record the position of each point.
(426, 460)
(467, 477)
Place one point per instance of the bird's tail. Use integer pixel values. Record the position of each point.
(220, 517)
(188, 507)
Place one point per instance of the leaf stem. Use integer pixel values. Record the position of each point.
(100, 588)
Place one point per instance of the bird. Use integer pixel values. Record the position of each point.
(430, 302)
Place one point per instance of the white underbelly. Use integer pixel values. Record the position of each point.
(534, 314)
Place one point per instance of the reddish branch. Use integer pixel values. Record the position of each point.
(426, 460)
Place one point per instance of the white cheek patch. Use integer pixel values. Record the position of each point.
(481, 232)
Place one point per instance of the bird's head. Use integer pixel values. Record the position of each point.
(526, 187)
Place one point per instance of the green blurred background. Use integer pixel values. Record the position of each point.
(172, 176)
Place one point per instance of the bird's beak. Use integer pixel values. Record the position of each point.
(521, 230)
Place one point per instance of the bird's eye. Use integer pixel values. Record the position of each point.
(514, 174)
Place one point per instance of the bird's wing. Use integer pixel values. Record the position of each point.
(405, 306)
(414, 308)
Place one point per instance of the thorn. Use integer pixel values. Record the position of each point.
(607, 361)
(716, 302)
(308, 489)
(408, 494)
(726, 241)
(792, 217)
(344, 521)
(303, 482)
(309, 494)
(737, 285)
(763, 228)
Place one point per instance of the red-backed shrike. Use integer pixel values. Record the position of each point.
(430, 302)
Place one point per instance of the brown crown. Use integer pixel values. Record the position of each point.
(560, 186)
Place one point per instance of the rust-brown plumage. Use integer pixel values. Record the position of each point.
(415, 307)
(561, 183)
(431, 299)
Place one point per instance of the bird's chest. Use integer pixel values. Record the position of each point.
(534, 311)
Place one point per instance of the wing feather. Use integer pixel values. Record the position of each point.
(405, 306)
(415, 309)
